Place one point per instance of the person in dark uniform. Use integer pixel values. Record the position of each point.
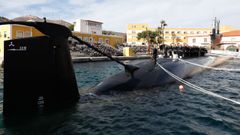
(155, 54)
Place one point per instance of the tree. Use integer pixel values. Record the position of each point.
(149, 36)
(104, 32)
(153, 37)
(163, 24)
(71, 27)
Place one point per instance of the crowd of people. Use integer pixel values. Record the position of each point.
(183, 51)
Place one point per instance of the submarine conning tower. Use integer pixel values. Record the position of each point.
(38, 71)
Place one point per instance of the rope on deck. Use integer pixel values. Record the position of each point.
(195, 87)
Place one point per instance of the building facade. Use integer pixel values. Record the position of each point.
(91, 31)
(199, 40)
(178, 36)
(88, 26)
(227, 40)
(172, 36)
(230, 40)
(100, 39)
(132, 32)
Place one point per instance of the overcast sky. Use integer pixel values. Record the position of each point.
(116, 14)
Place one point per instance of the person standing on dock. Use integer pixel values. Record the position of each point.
(155, 54)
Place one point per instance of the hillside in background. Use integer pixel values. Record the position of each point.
(3, 19)
(36, 19)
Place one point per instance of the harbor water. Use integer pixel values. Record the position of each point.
(157, 111)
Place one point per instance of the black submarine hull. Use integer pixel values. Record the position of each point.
(150, 75)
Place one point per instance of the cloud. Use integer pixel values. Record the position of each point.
(82, 3)
(116, 14)
(14, 8)
(14, 4)
(185, 13)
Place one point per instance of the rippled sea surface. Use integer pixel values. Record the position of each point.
(158, 111)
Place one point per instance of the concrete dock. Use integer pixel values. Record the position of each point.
(99, 59)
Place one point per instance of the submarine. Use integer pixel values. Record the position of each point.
(150, 75)
(39, 74)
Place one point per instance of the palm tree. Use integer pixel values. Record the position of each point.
(163, 24)
(149, 37)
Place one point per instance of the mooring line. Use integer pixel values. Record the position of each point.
(195, 87)
(213, 68)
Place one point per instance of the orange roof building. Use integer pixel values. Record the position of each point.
(231, 33)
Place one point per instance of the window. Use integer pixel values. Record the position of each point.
(205, 40)
(179, 37)
(134, 31)
(173, 32)
(143, 26)
(19, 34)
(191, 32)
(185, 32)
(85, 39)
(205, 32)
(179, 32)
(198, 32)
(194, 40)
(27, 34)
(167, 32)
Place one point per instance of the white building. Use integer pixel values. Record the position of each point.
(199, 40)
(230, 40)
(88, 27)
